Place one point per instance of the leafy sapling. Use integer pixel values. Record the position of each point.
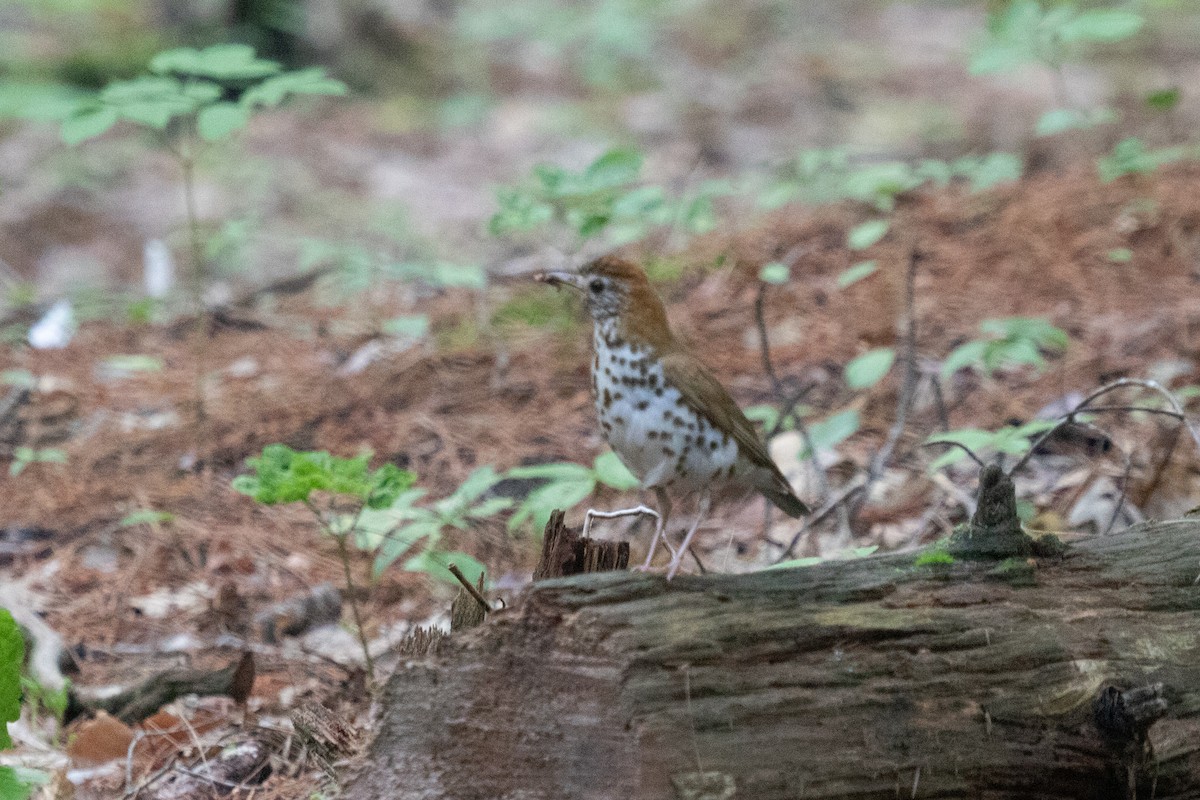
(403, 527)
(1007, 343)
(283, 475)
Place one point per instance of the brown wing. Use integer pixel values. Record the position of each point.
(703, 392)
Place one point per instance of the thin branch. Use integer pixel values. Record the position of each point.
(1085, 405)
(959, 445)
(471, 590)
(1124, 494)
(816, 517)
(908, 390)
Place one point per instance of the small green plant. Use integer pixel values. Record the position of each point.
(22, 457)
(41, 699)
(283, 475)
(829, 176)
(870, 368)
(1051, 35)
(1007, 343)
(191, 99)
(1009, 440)
(14, 785)
(1130, 156)
(567, 484)
(404, 527)
(607, 197)
(937, 554)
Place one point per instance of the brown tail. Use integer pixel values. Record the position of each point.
(787, 502)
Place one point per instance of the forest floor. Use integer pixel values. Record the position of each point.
(130, 600)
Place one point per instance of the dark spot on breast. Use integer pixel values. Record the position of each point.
(653, 381)
(667, 415)
(608, 372)
(618, 420)
(668, 452)
(596, 362)
(679, 401)
(642, 405)
(606, 425)
(618, 396)
(658, 392)
(691, 426)
(712, 445)
(679, 422)
(652, 435)
(607, 401)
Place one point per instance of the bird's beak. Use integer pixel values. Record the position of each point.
(574, 280)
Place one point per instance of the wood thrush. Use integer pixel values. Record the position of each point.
(661, 410)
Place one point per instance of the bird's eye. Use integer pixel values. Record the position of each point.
(597, 286)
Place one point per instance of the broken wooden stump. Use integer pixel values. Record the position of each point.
(565, 552)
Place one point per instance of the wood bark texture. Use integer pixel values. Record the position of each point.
(873, 678)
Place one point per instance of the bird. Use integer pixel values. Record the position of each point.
(661, 409)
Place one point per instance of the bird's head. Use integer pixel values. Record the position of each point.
(611, 287)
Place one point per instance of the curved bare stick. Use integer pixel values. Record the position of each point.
(960, 445)
(1083, 405)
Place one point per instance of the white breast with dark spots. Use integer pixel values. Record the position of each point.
(649, 426)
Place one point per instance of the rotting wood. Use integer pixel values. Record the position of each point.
(565, 552)
(872, 678)
(139, 702)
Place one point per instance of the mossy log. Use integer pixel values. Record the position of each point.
(1076, 675)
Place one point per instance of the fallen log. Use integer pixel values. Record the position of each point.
(1076, 675)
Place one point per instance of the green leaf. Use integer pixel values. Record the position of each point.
(220, 62)
(274, 90)
(133, 363)
(218, 121)
(490, 507)
(1103, 25)
(1064, 119)
(793, 563)
(476, 484)
(869, 368)
(22, 378)
(12, 658)
(400, 541)
(468, 275)
(611, 471)
(555, 471)
(856, 273)
(413, 326)
(867, 233)
(84, 125)
(775, 273)
(435, 562)
(1164, 99)
(614, 168)
(145, 516)
(828, 433)
(965, 355)
(19, 784)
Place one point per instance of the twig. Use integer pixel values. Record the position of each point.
(1085, 405)
(908, 390)
(1124, 493)
(817, 516)
(471, 590)
(959, 445)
